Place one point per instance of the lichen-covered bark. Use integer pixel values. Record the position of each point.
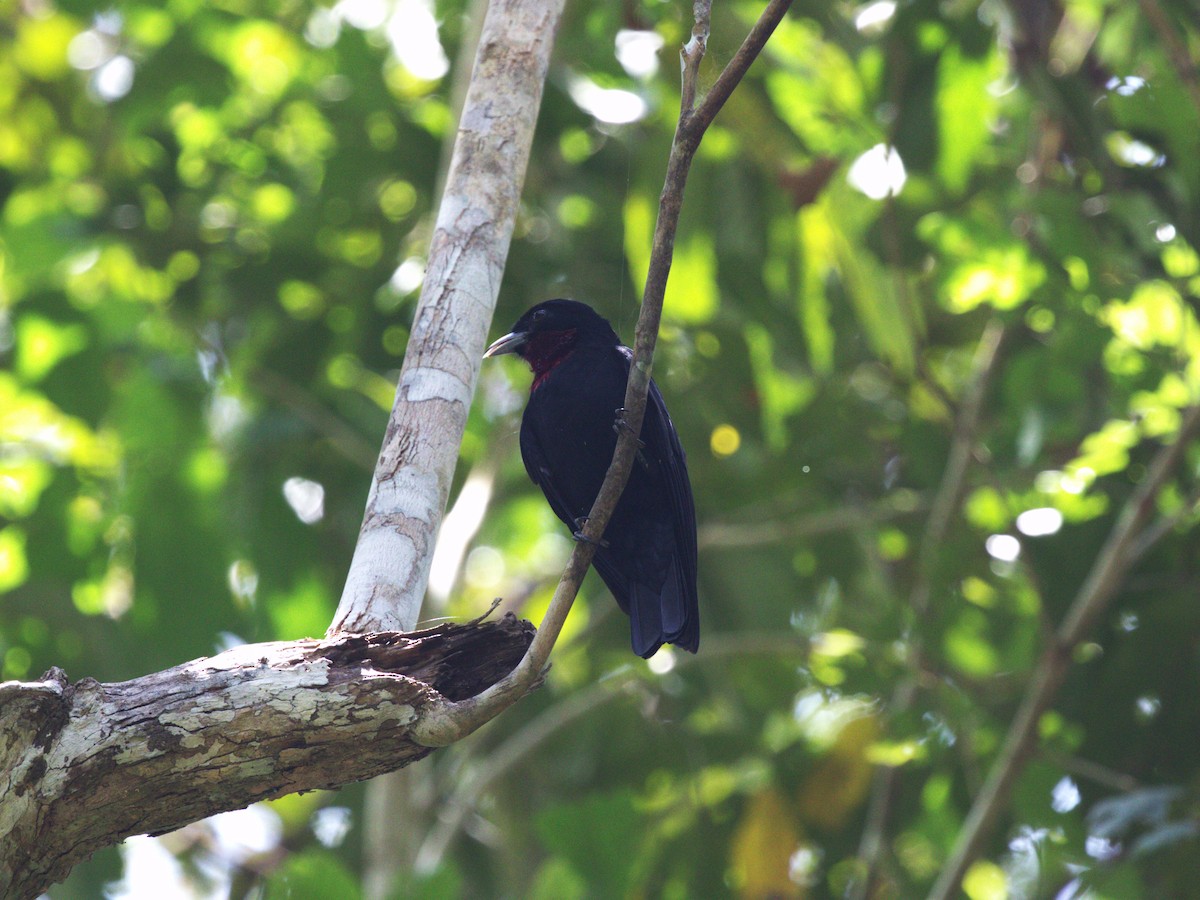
(85, 765)
(390, 567)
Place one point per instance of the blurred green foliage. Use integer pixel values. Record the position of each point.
(212, 226)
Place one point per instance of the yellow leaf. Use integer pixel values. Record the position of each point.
(839, 783)
(837, 642)
(763, 846)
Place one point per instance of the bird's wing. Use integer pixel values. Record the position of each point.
(669, 612)
(659, 434)
(539, 473)
(680, 606)
(660, 438)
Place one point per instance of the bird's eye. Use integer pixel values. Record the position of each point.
(539, 315)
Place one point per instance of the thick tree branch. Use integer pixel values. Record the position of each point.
(459, 719)
(85, 765)
(1120, 552)
(390, 568)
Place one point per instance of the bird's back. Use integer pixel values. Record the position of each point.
(567, 443)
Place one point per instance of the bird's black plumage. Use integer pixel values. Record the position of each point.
(648, 559)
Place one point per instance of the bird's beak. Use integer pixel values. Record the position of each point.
(510, 343)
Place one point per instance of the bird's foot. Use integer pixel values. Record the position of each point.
(621, 424)
(583, 538)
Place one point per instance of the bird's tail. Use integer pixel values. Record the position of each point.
(666, 615)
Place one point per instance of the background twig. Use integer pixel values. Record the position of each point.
(954, 478)
(1175, 46)
(849, 517)
(503, 758)
(1123, 548)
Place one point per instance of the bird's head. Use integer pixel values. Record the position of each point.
(549, 331)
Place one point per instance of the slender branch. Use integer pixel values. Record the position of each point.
(945, 502)
(692, 53)
(462, 718)
(737, 67)
(1113, 562)
(954, 479)
(1093, 771)
(1154, 533)
(344, 439)
(1176, 47)
(726, 535)
(503, 758)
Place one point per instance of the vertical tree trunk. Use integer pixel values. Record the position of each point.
(390, 567)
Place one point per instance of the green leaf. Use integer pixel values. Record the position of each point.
(966, 108)
(42, 343)
(312, 875)
(599, 836)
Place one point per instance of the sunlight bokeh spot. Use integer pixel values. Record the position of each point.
(306, 498)
(725, 441)
(878, 173)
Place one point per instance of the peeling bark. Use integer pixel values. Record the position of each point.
(84, 765)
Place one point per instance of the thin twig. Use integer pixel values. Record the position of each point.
(343, 438)
(503, 758)
(1152, 534)
(737, 67)
(1093, 771)
(1176, 47)
(692, 53)
(1112, 564)
(954, 479)
(726, 535)
(455, 720)
(937, 526)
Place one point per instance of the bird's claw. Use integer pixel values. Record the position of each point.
(620, 424)
(583, 538)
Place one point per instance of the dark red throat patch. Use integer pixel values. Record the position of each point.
(545, 350)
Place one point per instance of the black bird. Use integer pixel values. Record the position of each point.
(568, 434)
